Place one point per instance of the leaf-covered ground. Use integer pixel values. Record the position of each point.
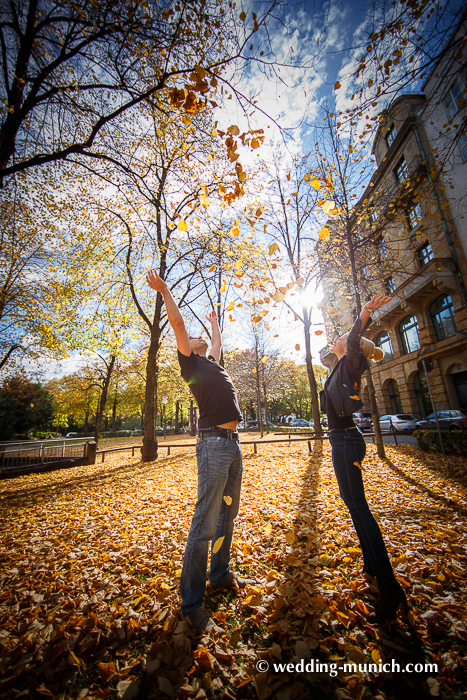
(91, 559)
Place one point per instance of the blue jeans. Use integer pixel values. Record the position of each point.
(348, 447)
(219, 474)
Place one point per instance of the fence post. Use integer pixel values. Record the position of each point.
(309, 446)
(255, 450)
(168, 450)
(91, 447)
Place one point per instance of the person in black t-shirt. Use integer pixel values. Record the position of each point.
(219, 458)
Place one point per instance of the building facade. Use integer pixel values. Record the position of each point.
(418, 255)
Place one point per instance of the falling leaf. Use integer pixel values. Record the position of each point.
(278, 296)
(242, 16)
(327, 206)
(231, 306)
(272, 248)
(182, 225)
(205, 201)
(324, 234)
(297, 347)
(318, 332)
(234, 130)
(337, 85)
(356, 397)
(212, 268)
(315, 183)
(265, 359)
(300, 281)
(228, 500)
(218, 544)
(223, 287)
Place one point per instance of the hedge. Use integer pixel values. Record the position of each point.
(454, 441)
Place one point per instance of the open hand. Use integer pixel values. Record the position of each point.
(377, 301)
(155, 282)
(212, 316)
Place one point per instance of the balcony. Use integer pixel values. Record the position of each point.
(438, 273)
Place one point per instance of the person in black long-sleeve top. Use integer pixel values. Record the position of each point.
(348, 452)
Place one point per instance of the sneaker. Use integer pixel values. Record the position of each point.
(201, 621)
(234, 581)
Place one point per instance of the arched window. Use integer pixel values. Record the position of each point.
(408, 330)
(422, 394)
(383, 341)
(394, 396)
(442, 315)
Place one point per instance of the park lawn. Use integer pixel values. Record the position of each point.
(91, 559)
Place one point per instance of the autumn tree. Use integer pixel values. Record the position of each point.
(73, 71)
(290, 218)
(24, 407)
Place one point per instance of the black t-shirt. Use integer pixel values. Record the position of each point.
(212, 388)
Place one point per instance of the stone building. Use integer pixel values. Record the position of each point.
(415, 255)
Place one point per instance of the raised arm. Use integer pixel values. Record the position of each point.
(216, 338)
(353, 339)
(173, 312)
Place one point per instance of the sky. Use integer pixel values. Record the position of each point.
(316, 36)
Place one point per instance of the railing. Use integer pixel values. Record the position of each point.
(16, 456)
(255, 443)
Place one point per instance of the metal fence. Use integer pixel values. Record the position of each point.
(15, 456)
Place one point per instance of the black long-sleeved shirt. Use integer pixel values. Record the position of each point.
(355, 364)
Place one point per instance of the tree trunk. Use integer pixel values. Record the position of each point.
(114, 414)
(103, 399)
(265, 405)
(192, 419)
(311, 375)
(258, 396)
(86, 422)
(371, 388)
(177, 413)
(149, 451)
(375, 417)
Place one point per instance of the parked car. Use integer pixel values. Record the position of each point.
(363, 421)
(398, 423)
(124, 433)
(254, 424)
(159, 430)
(137, 432)
(71, 435)
(241, 426)
(448, 420)
(299, 423)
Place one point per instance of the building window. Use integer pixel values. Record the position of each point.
(453, 100)
(415, 215)
(442, 315)
(422, 394)
(401, 171)
(408, 330)
(390, 138)
(390, 285)
(425, 254)
(463, 145)
(382, 249)
(383, 341)
(394, 396)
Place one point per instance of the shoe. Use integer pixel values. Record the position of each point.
(388, 607)
(368, 570)
(234, 581)
(201, 621)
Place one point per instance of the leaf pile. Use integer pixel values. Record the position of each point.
(91, 560)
